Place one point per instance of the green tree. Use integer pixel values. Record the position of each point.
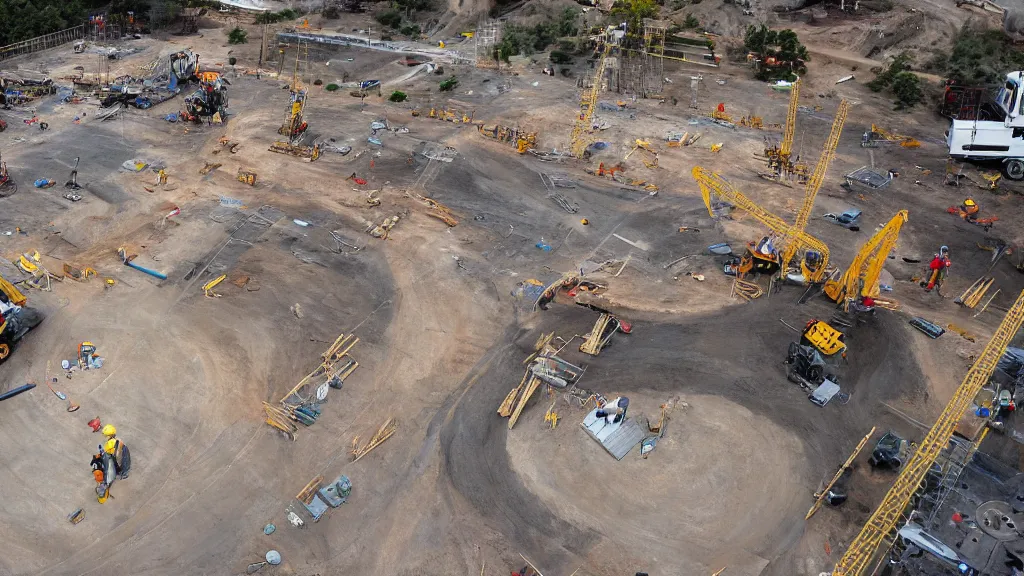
(906, 87)
(781, 54)
(691, 22)
(633, 12)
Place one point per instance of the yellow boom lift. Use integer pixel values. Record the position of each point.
(755, 260)
(816, 180)
(588, 102)
(861, 278)
(891, 511)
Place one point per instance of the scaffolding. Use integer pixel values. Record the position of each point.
(640, 72)
(43, 42)
(484, 39)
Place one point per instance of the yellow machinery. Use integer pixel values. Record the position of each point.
(871, 139)
(646, 147)
(246, 177)
(861, 278)
(824, 338)
(893, 507)
(294, 127)
(816, 180)
(712, 184)
(588, 102)
(779, 157)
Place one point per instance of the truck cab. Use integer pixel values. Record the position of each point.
(995, 139)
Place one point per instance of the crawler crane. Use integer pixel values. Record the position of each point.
(816, 180)
(893, 508)
(757, 258)
(588, 101)
(861, 278)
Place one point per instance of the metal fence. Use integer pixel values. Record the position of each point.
(44, 42)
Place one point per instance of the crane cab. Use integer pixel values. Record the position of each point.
(759, 258)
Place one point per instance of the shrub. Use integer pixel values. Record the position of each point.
(411, 30)
(331, 87)
(318, 82)
(906, 87)
(389, 18)
(449, 84)
(232, 61)
(691, 22)
(559, 57)
(398, 96)
(884, 77)
(238, 36)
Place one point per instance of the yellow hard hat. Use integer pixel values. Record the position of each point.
(110, 446)
(109, 430)
(968, 202)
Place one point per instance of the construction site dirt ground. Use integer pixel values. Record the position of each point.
(442, 339)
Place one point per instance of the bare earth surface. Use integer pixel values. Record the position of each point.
(441, 338)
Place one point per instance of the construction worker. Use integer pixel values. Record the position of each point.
(969, 209)
(937, 270)
(122, 458)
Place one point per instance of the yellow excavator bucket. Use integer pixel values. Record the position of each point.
(13, 294)
(825, 338)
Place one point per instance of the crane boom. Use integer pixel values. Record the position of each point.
(817, 178)
(588, 101)
(713, 184)
(883, 521)
(786, 147)
(861, 278)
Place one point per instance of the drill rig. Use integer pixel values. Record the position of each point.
(294, 127)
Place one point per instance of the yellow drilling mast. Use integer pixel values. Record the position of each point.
(588, 102)
(889, 513)
(779, 156)
(712, 184)
(817, 179)
(786, 147)
(861, 278)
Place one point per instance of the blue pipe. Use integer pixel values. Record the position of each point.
(153, 273)
(16, 391)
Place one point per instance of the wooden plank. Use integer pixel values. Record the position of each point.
(531, 387)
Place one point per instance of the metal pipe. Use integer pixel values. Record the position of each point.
(16, 391)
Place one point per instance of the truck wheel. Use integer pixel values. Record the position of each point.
(1014, 169)
(5, 351)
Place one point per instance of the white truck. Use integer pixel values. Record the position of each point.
(996, 139)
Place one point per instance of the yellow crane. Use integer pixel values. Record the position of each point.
(861, 278)
(817, 179)
(786, 147)
(588, 102)
(891, 511)
(712, 184)
(779, 156)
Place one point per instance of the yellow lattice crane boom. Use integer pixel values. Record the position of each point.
(588, 102)
(712, 184)
(861, 278)
(786, 147)
(817, 178)
(889, 513)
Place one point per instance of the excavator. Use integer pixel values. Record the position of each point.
(16, 319)
(858, 286)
